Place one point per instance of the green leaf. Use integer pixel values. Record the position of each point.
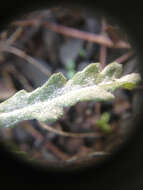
(70, 67)
(103, 122)
(47, 102)
(82, 52)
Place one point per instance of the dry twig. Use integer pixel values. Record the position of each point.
(22, 54)
(89, 156)
(56, 151)
(125, 57)
(71, 32)
(22, 79)
(103, 49)
(14, 36)
(75, 135)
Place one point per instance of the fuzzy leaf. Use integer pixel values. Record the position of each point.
(47, 102)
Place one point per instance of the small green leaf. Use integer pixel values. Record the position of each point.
(82, 52)
(70, 67)
(47, 102)
(103, 122)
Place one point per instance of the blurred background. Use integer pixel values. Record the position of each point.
(65, 40)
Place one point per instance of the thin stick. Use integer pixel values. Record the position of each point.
(125, 57)
(22, 79)
(76, 135)
(26, 22)
(23, 55)
(14, 36)
(68, 31)
(89, 156)
(8, 80)
(100, 39)
(30, 129)
(56, 151)
(103, 49)
(102, 60)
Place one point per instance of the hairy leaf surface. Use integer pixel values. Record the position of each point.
(47, 102)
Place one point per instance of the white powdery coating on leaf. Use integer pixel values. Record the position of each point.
(133, 78)
(47, 102)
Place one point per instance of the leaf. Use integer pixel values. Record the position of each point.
(103, 122)
(70, 68)
(47, 102)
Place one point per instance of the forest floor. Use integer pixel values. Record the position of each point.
(63, 40)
